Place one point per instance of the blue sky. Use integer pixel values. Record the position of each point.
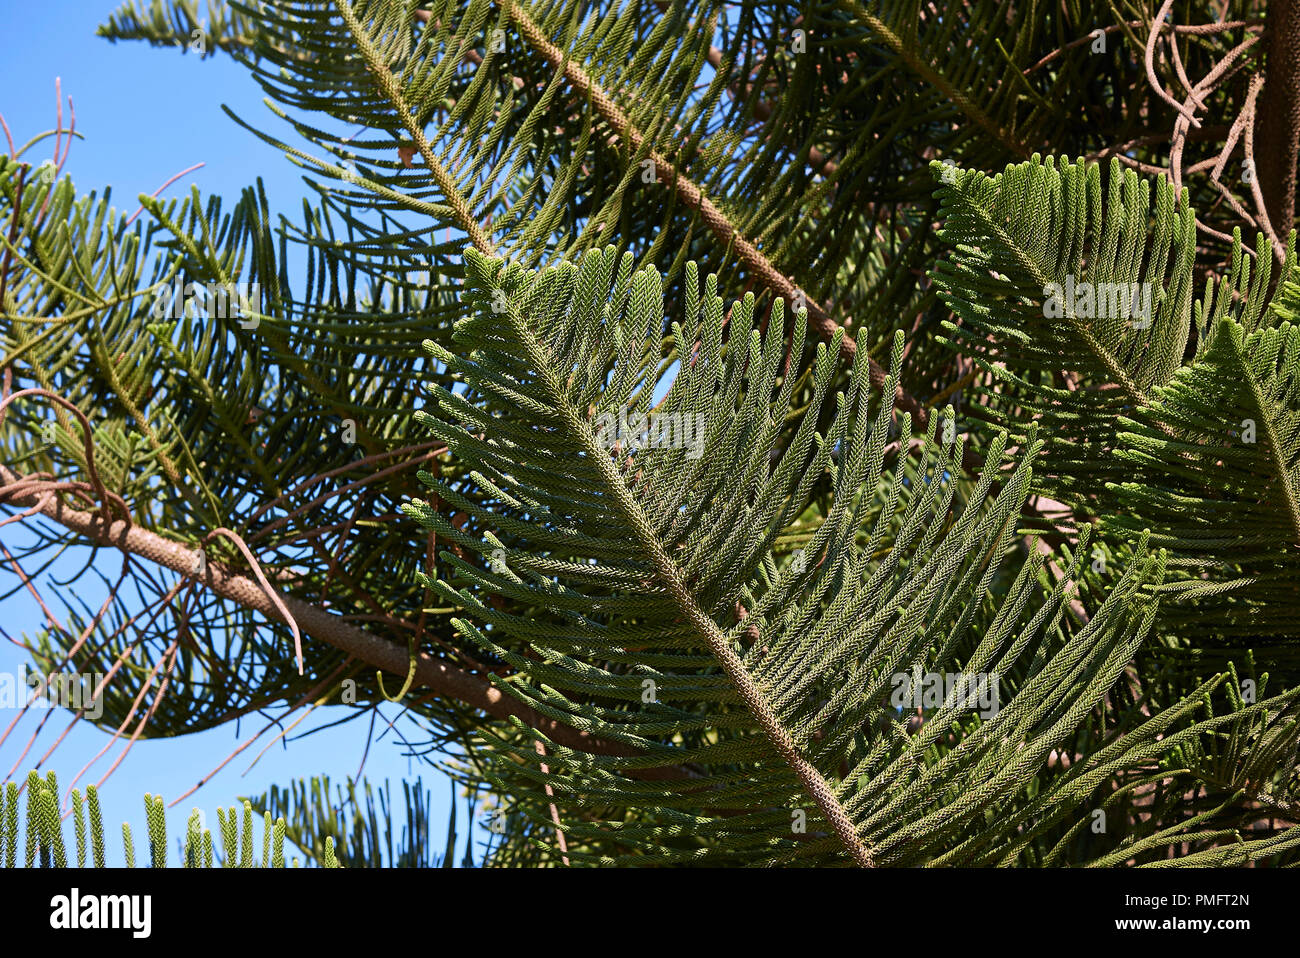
(145, 115)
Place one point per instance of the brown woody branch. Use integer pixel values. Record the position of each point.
(437, 676)
(1277, 128)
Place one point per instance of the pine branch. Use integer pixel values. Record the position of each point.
(718, 222)
(691, 194)
(388, 85)
(430, 673)
(1265, 416)
(673, 579)
(934, 78)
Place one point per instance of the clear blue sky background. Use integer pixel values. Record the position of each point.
(146, 114)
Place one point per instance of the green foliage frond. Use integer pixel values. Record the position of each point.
(356, 826)
(1174, 414)
(653, 612)
(705, 619)
(44, 832)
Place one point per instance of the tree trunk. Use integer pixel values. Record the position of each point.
(1277, 128)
